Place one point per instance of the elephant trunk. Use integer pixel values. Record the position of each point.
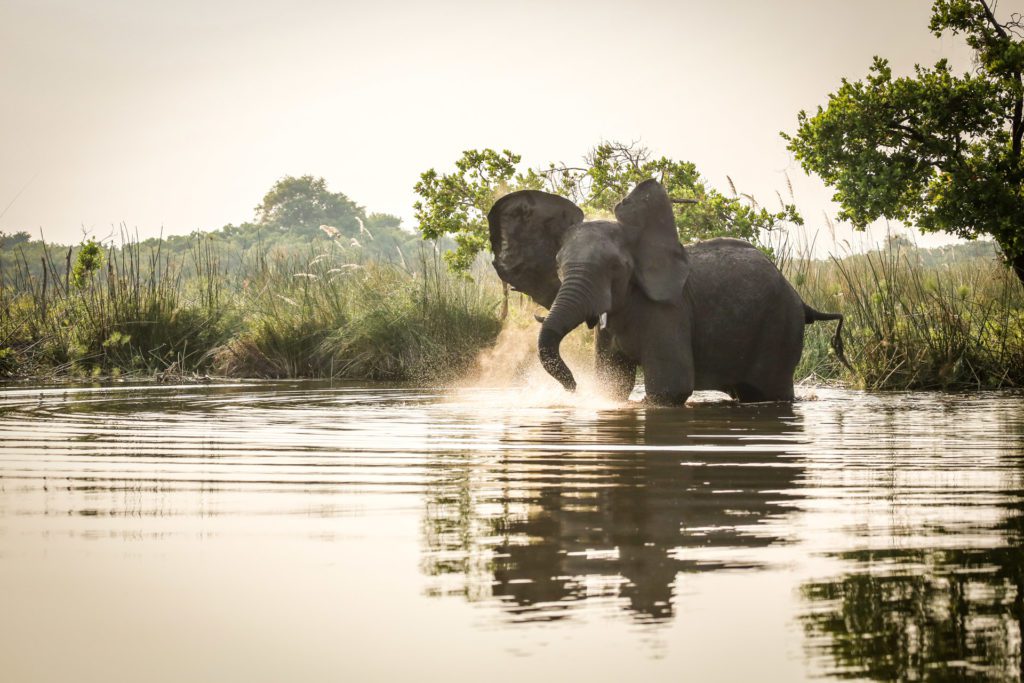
(571, 307)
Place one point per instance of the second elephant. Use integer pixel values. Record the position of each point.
(717, 315)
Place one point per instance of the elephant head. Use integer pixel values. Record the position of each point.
(582, 270)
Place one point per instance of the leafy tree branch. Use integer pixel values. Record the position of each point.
(935, 149)
(456, 203)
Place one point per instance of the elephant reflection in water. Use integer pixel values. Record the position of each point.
(619, 524)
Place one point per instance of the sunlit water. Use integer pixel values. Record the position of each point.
(290, 531)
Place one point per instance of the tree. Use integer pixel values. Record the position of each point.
(303, 204)
(383, 221)
(9, 241)
(457, 203)
(934, 149)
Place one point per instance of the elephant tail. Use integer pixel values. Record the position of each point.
(811, 316)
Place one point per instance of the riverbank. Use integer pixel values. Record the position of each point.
(134, 312)
(315, 316)
(910, 324)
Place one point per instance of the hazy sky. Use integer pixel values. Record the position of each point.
(182, 114)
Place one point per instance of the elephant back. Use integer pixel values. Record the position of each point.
(741, 304)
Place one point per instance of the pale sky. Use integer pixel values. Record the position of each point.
(181, 115)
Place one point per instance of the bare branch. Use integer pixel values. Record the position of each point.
(1015, 25)
(1017, 120)
(1000, 31)
(563, 169)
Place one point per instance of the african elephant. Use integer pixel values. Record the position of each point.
(715, 315)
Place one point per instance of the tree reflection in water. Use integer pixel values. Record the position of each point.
(944, 615)
(649, 494)
(936, 589)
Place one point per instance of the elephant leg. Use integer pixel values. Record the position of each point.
(668, 372)
(615, 371)
(778, 391)
(662, 393)
(747, 393)
(770, 378)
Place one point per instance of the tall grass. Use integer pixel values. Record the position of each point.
(323, 317)
(279, 315)
(908, 325)
(126, 310)
(955, 325)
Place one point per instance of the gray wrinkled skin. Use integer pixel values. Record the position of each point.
(717, 315)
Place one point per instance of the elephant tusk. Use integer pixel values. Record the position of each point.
(603, 321)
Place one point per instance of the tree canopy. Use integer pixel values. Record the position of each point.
(302, 209)
(303, 204)
(457, 203)
(934, 149)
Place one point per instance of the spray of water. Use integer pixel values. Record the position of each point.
(509, 373)
(510, 370)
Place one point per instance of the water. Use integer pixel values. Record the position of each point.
(296, 531)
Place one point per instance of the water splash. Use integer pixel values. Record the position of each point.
(511, 371)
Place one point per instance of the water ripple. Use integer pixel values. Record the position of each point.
(881, 524)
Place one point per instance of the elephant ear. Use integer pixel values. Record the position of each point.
(662, 265)
(527, 228)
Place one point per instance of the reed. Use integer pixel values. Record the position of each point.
(910, 325)
(136, 309)
(111, 311)
(321, 316)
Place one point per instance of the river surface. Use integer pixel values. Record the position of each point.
(305, 532)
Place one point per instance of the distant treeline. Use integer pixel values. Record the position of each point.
(297, 214)
(377, 237)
